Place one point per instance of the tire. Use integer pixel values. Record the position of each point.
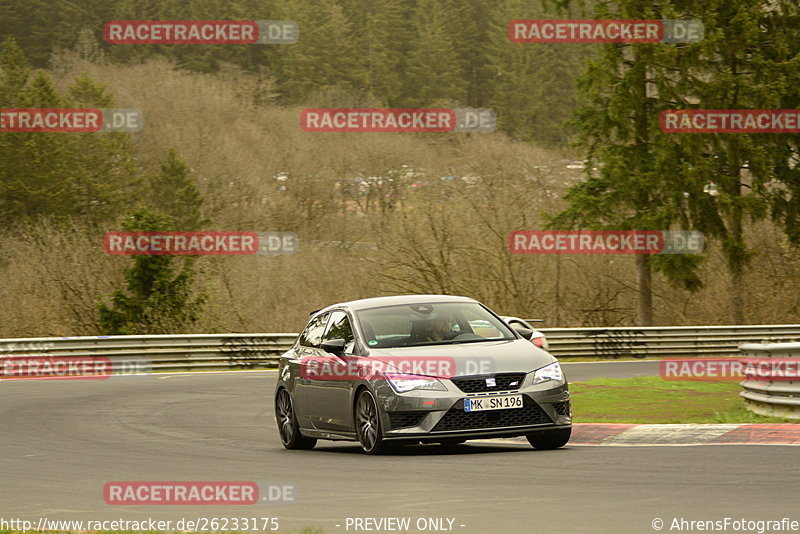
(288, 428)
(368, 423)
(550, 439)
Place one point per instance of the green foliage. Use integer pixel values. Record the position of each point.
(58, 174)
(325, 57)
(641, 177)
(397, 53)
(532, 87)
(41, 25)
(618, 124)
(435, 73)
(383, 41)
(159, 298)
(748, 60)
(14, 72)
(173, 193)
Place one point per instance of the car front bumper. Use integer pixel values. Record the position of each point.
(423, 415)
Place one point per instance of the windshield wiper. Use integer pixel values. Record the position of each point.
(458, 342)
(423, 344)
(450, 342)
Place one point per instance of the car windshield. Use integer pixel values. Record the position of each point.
(420, 324)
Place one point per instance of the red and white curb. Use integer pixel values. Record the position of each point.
(685, 434)
(631, 435)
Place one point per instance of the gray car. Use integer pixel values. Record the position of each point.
(536, 337)
(418, 369)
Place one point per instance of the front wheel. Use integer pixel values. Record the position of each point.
(368, 424)
(288, 428)
(549, 439)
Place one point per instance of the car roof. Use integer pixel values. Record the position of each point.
(377, 302)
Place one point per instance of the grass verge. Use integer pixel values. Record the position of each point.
(651, 399)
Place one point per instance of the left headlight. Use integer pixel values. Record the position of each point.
(403, 383)
(548, 372)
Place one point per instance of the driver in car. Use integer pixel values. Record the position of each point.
(442, 328)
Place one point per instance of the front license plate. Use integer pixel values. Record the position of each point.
(498, 402)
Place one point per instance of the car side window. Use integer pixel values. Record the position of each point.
(312, 335)
(339, 328)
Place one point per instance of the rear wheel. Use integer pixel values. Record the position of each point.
(550, 439)
(368, 424)
(287, 424)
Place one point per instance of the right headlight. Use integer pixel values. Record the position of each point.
(403, 383)
(548, 372)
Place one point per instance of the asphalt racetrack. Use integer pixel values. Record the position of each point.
(63, 440)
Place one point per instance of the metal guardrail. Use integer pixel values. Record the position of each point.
(780, 398)
(205, 352)
(663, 341)
(189, 352)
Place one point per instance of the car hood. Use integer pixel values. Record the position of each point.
(486, 357)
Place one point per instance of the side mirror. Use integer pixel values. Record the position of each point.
(334, 346)
(524, 332)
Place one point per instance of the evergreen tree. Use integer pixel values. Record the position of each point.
(325, 57)
(173, 193)
(533, 89)
(58, 174)
(471, 32)
(434, 75)
(35, 178)
(783, 23)
(619, 128)
(747, 60)
(105, 175)
(651, 180)
(382, 39)
(159, 298)
(14, 72)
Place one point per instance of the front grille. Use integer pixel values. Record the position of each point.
(457, 419)
(477, 384)
(561, 408)
(406, 419)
